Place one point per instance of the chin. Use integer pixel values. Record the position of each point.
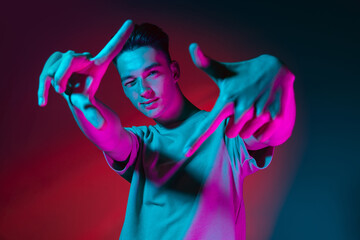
(153, 113)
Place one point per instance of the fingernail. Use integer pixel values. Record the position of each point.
(187, 151)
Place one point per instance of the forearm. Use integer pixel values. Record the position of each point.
(103, 127)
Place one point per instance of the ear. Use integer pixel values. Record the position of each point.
(175, 69)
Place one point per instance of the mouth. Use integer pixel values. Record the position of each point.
(149, 104)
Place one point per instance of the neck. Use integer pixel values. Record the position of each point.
(183, 112)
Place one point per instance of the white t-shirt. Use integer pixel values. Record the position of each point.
(174, 197)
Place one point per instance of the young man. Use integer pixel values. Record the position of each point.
(187, 171)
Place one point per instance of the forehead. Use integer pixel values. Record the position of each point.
(132, 61)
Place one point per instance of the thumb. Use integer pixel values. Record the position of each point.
(198, 57)
(213, 68)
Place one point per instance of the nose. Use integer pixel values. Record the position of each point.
(145, 90)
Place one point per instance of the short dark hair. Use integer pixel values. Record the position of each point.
(147, 34)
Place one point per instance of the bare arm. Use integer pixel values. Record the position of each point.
(67, 71)
(101, 126)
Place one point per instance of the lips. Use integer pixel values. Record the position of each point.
(149, 104)
(150, 101)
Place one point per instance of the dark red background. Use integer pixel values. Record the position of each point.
(56, 185)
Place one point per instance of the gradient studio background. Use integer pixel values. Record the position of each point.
(54, 184)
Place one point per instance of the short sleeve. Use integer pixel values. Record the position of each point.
(250, 161)
(125, 168)
(258, 159)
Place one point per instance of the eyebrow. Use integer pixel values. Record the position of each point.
(146, 69)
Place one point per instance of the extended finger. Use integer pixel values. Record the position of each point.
(243, 112)
(234, 126)
(254, 124)
(279, 130)
(114, 46)
(288, 90)
(215, 69)
(63, 72)
(267, 130)
(273, 110)
(45, 78)
(70, 62)
(274, 107)
(91, 86)
(43, 93)
(261, 102)
(220, 111)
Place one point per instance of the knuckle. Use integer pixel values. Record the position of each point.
(54, 58)
(56, 80)
(41, 78)
(56, 54)
(87, 54)
(50, 72)
(68, 55)
(271, 59)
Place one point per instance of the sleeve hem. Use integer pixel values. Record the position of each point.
(258, 159)
(123, 166)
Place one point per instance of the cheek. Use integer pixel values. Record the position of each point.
(134, 95)
(165, 87)
(168, 90)
(131, 95)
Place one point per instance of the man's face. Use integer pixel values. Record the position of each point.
(149, 80)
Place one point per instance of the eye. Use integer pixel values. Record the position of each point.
(130, 83)
(153, 73)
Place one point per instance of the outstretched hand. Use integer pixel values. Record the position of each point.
(256, 94)
(61, 67)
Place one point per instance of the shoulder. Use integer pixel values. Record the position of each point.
(142, 132)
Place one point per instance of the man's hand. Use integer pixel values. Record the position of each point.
(77, 76)
(256, 94)
(60, 67)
